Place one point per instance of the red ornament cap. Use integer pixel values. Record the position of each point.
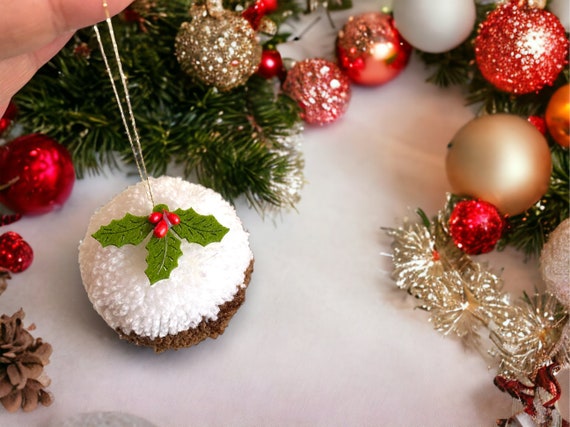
(16, 254)
(475, 226)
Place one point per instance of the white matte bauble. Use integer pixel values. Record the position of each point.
(561, 8)
(434, 26)
(555, 263)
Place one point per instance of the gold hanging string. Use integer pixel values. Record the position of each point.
(132, 133)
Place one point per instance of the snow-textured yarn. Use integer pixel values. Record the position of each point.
(206, 276)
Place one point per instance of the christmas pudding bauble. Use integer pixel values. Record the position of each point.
(197, 298)
(36, 174)
(501, 159)
(370, 49)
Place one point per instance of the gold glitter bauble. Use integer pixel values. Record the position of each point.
(220, 49)
(502, 159)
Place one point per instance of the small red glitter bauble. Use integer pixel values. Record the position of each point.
(520, 49)
(271, 64)
(8, 117)
(16, 254)
(36, 174)
(370, 49)
(321, 88)
(475, 226)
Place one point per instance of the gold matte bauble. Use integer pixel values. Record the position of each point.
(502, 159)
(557, 116)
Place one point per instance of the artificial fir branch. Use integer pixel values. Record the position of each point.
(241, 142)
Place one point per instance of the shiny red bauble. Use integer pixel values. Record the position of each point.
(271, 64)
(475, 226)
(16, 254)
(36, 174)
(370, 49)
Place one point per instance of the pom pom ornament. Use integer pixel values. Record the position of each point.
(16, 255)
(36, 174)
(321, 89)
(475, 226)
(436, 26)
(555, 263)
(520, 49)
(557, 116)
(217, 47)
(501, 159)
(370, 49)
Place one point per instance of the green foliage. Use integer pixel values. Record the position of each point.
(241, 142)
(130, 230)
(162, 257)
(528, 231)
(162, 252)
(196, 228)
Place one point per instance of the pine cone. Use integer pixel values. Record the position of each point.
(22, 361)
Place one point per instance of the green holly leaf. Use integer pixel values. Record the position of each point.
(196, 228)
(162, 257)
(130, 230)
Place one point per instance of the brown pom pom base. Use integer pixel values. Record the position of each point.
(205, 329)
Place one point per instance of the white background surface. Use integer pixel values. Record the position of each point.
(324, 337)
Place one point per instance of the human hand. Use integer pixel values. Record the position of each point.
(33, 31)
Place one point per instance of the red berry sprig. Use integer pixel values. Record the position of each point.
(162, 222)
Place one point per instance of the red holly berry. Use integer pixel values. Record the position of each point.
(155, 217)
(16, 254)
(161, 229)
(172, 218)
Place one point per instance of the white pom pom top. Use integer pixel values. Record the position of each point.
(206, 276)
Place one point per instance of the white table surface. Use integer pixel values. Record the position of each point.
(324, 337)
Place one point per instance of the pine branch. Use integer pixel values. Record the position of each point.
(180, 120)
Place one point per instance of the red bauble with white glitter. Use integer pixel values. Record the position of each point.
(321, 88)
(36, 174)
(271, 64)
(520, 49)
(370, 49)
(16, 254)
(475, 226)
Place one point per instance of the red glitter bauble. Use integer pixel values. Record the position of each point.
(36, 174)
(520, 49)
(370, 49)
(271, 64)
(475, 226)
(8, 117)
(321, 89)
(16, 254)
